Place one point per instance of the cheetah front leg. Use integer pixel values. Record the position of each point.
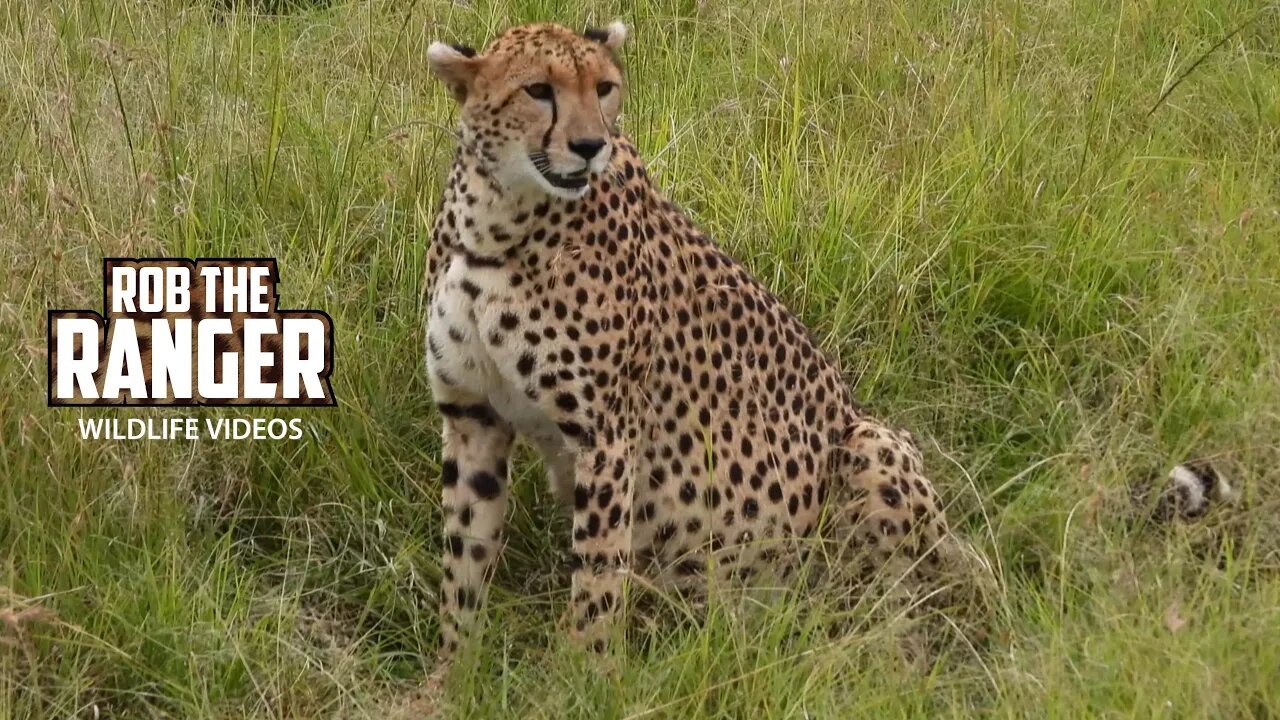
(477, 445)
(601, 541)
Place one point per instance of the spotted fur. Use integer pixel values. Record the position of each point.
(685, 416)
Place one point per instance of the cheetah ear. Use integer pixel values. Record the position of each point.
(611, 36)
(455, 65)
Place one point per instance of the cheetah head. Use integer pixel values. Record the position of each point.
(539, 105)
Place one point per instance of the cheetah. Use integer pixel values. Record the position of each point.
(686, 418)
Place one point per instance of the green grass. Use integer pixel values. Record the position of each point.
(972, 203)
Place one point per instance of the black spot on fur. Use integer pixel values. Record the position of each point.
(486, 485)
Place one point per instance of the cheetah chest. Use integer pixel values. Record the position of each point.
(471, 356)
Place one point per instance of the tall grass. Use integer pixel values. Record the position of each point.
(972, 203)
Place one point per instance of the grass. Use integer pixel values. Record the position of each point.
(1044, 235)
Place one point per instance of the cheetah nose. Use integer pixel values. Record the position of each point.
(586, 148)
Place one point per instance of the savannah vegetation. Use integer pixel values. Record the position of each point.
(1044, 235)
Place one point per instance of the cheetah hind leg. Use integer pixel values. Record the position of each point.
(889, 533)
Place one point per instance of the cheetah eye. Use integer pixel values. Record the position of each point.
(604, 87)
(540, 91)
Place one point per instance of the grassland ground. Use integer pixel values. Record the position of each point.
(1044, 235)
